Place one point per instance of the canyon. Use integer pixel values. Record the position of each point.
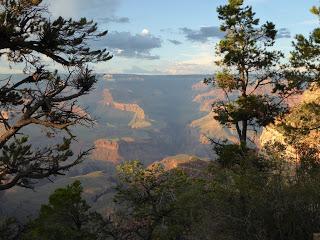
(146, 118)
(208, 127)
(178, 136)
(106, 150)
(139, 119)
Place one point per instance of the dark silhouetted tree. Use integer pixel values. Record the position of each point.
(67, 216)
(44, 98)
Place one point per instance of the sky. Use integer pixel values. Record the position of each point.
(175, 36)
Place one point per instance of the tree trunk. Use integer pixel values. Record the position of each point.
(243, 139)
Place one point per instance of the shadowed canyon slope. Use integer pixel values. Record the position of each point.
(98, 187)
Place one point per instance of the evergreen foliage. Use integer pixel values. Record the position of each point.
(248, 68)
(66, 216)
(42, 97)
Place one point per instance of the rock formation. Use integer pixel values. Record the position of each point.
(108, 77)
(107, 98)
(200, 86)
(272, 135)
(3, 117)
(211, 128)
(139, 119)
(212, 94)
(191, 165)
(106, 150)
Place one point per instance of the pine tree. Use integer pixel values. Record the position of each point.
(303, 70)
(147, 199)
(42, 98)
(301, 126)
(248, 67)
(66, 216)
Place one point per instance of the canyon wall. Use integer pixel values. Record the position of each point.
(207, 126)
(211, 128)
(311, 139)
(200, 86)
(139, 119)
(106, 150)
(191, 165)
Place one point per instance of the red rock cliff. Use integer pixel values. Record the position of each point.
(106, 150)
(139, 119)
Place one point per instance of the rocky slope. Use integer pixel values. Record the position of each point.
(139, 119)
(207, 126)
(206, 95)
(271, 134)
(98, 188)
(191, 165)
(211, 128)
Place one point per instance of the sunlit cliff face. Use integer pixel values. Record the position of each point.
(139, 119)
(272, 135)
(4, 116)
(106, 150)
(209, 127)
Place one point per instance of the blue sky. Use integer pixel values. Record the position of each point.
(175, 36)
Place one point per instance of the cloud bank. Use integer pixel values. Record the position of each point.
(283, 33)
(175, 42)
(115, 19)
(130, 45)
(203, 34)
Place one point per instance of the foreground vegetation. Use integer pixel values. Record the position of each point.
(252, 198)
(246, 193)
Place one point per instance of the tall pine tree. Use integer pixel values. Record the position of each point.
(248, 65)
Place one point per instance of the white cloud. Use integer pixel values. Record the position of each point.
(203, 34)
(145, 32)
(139, 70)
(197, 65)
